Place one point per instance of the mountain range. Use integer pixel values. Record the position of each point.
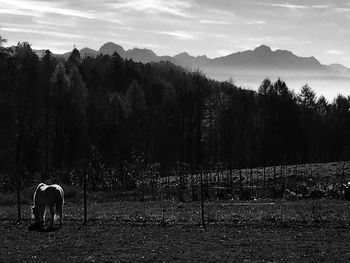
(261, 59)
(247, 69)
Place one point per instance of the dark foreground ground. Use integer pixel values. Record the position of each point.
(99, 242)
(237, 232)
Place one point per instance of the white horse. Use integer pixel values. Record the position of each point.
(47, 195)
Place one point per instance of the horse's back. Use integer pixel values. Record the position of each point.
(56, 186)
(49, 194)
(41, 187)
(59, 189)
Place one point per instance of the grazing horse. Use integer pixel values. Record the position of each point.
(47, 195)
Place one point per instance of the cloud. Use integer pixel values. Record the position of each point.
(38, 8)
(42, 32)
(290, 6)
(269, 40)
(175, 8)
(321, 6)
(17, 12)
(53, 21)
(335, 52)
(214, 22)
(257, 22)
(342, 9)
(283, 5)
(221, 12)
(218, 35)
(181, 35)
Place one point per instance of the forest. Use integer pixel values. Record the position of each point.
(111, 114)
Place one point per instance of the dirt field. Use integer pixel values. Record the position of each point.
(237, 232)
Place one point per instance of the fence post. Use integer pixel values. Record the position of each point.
(85, 198)
(167, 186)
(231, 183)
(311, 169)
(240, 179)
(281, 170)
(194, 186)
(283, 177)
(206, 182)
(202, 200)
(343, 177)
(181, 182)
(251, 178)
(217, 175)
(142, 187)
(19, 214)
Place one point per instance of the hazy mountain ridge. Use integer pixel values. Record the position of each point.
(262, 60)
(186, 60)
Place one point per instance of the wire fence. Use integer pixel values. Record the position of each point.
(213, 185)
(250, 183)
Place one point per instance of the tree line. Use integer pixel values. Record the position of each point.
(114, 113)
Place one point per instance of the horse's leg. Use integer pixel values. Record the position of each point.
(60, 215)
(42, 214)
(59, 208)
(52, 215)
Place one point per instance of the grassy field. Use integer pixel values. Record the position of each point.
(122, 229)
(129, 231)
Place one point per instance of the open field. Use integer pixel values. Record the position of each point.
(108, 242)
(128, 231)
(122, 229)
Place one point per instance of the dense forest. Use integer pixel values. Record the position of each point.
(111, 113)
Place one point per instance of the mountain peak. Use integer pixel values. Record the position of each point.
(110, 47)
(185, 55)
(88, 52)
(143, 50)
(263, 49)
(182, 55)
(87, 49)
(110, 44)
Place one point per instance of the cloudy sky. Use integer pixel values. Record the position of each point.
(308, 28)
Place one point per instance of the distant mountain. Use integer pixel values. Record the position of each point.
(141, 55)
(109, 49)
(88, 52)
(262, 61)
(339, 68)
(186, 60)
(136, 54)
